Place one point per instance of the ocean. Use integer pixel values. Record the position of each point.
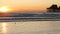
(18, 17)
(30, 27)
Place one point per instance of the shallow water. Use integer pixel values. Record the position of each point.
(33, 27)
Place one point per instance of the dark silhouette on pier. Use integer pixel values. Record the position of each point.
(53, 8)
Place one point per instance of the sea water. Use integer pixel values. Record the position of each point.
(30, 27)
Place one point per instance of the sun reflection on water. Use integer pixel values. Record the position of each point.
(4, 29)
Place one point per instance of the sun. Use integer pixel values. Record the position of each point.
(4, 9)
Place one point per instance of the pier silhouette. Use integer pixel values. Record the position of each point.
(53, 8)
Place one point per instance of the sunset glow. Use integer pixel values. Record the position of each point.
(28, 5)
(4, 9)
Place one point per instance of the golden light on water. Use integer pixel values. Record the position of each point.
(4, 29)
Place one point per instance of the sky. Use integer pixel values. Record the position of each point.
(29, 5)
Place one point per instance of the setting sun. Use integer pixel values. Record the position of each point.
(4, 9)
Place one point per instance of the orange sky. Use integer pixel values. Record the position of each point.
(29, 5)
